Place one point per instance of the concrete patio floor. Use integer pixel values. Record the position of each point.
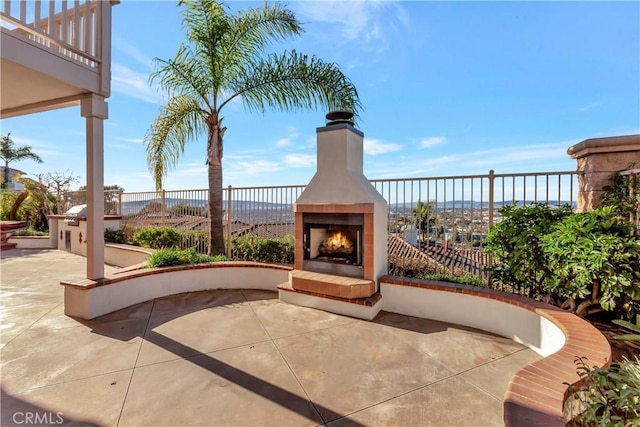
(235, 358)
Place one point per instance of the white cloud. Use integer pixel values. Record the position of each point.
(131, 51)
(134, 84)
(284, 142)
(433, 140)
(300, 160)
(363, 21)
(287, 141)
(192, 169)
(252, 167)
(374, 147)
(41, 148)
(589, 107)
(132, 140)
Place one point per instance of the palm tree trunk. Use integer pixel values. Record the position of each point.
(214, 160)
(6, 174)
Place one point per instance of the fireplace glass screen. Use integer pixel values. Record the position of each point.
(333, 244)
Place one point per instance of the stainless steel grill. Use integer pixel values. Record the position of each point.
(73, 215)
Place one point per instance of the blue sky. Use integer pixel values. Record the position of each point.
(448, 88)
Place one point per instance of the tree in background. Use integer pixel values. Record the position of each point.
(111, 198)
(225, 59)
(422, 216)
(59, 182)
(10, 153)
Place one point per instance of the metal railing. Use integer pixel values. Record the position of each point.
(451, 211)
(112, 201)
(633, 181)
(71, 28)
(460, 210)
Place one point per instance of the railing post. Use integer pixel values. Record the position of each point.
(119, 203)
(492, 181)
(229, 203)
(163, 209)
(491, 196)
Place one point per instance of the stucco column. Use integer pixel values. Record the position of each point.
(598, 159)
(94, 109)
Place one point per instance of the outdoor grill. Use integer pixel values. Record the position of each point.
(73, 215)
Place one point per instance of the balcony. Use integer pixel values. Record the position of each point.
(53, 53)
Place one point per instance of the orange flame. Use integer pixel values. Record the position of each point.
(337, 240)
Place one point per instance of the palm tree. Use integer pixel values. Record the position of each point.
(10, 153)
(423, 216)
(225, 59)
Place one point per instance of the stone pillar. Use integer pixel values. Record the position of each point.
(94, 109)
(598, 159)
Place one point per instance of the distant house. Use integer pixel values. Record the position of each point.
(13, 174)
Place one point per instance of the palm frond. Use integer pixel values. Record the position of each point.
(207, 23)
(183, 74)
(178, 122)
(291, 82)
(254, 29)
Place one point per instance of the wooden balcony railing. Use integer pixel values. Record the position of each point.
(72, 28)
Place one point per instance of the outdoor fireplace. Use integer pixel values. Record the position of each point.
(340, 219)
(333, 243)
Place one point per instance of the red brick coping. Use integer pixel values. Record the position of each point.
(137, 271)
(536, 394)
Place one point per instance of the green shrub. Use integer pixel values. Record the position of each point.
(171, 256)
(411, 267)
(607, 396)
(198, 240)
(515, 244)
(464, 278)
(594, 260)
(157, 237)
(114, 236)
(30, 232)
(255, 248)
(7, 199)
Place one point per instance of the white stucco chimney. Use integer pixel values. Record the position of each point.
(339, 186)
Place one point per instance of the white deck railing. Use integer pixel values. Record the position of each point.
(72, 28)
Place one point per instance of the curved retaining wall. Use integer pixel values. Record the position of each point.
(122, 255)
(31, 242)
(88, 299)
(536, 394)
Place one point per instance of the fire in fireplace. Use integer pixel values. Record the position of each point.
(333, 243)
(338, 245)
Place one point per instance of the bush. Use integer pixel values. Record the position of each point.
(7, 199)
(464, 278)
(594, 260)
(30, 232)
(170, 256)
(515, 244)
(198, 240)
(114, 236)
(411, 267)
(608, 396)
(157, 237)
(255, 248)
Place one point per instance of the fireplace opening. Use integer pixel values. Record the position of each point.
(333, 244)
